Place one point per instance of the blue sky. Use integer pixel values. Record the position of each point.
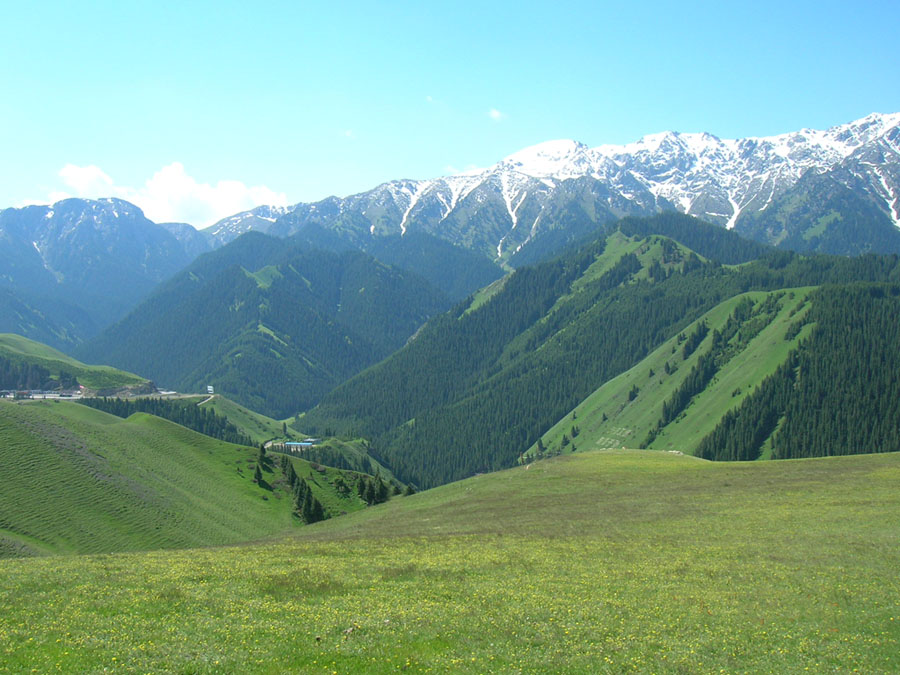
(196, 110)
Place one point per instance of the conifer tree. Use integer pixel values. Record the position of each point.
(381, 491)
(317, 512)
(306, 510)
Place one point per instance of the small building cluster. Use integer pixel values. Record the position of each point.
(22, 394)
(302, 445)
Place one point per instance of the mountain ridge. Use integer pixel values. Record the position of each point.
(74, 267)
(504, 208)
(69, 270)
(272, 325)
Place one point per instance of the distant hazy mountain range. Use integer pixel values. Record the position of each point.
(274, 326)
(71, 269)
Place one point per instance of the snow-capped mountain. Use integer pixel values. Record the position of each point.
(719, 180)
(558, 190)
(86, 262)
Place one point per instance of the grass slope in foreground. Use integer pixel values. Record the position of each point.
(19, 349)
(80, 480)
(592, 562)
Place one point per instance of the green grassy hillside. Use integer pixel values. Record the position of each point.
(805, 372)
(79, 480)
(594, 562)
(627, 408)
(96, 378)
(335, 489)
(352, 455)
(255, 425)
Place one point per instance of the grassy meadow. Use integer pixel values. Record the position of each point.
(78, 480)
(604, 561)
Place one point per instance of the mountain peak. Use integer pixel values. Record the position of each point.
(110, 206)
(883, 120)
(698, 173)
(551, 158)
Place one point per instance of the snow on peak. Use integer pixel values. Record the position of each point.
(557, 159)
(649, 144)
(698, 173)
(873, 122)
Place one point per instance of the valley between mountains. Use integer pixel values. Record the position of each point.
(658, 333)
(533, 417)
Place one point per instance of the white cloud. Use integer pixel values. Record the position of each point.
(86, 179)
(496, 115)
(171, 194)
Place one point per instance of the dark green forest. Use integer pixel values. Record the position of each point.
(22, 375)
(838, 393)
(744, 324)
(454, 270)
(475, 387)
(306, 506)
(710, 241)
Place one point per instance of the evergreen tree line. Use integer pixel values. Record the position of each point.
(31, 376)
(694, 339)
(373, 490)
(696, 381)
(190, 415)
(322, 454)
(740, 434)
(743, 324)
(306, 506)
(837, 394)
(475, 387)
